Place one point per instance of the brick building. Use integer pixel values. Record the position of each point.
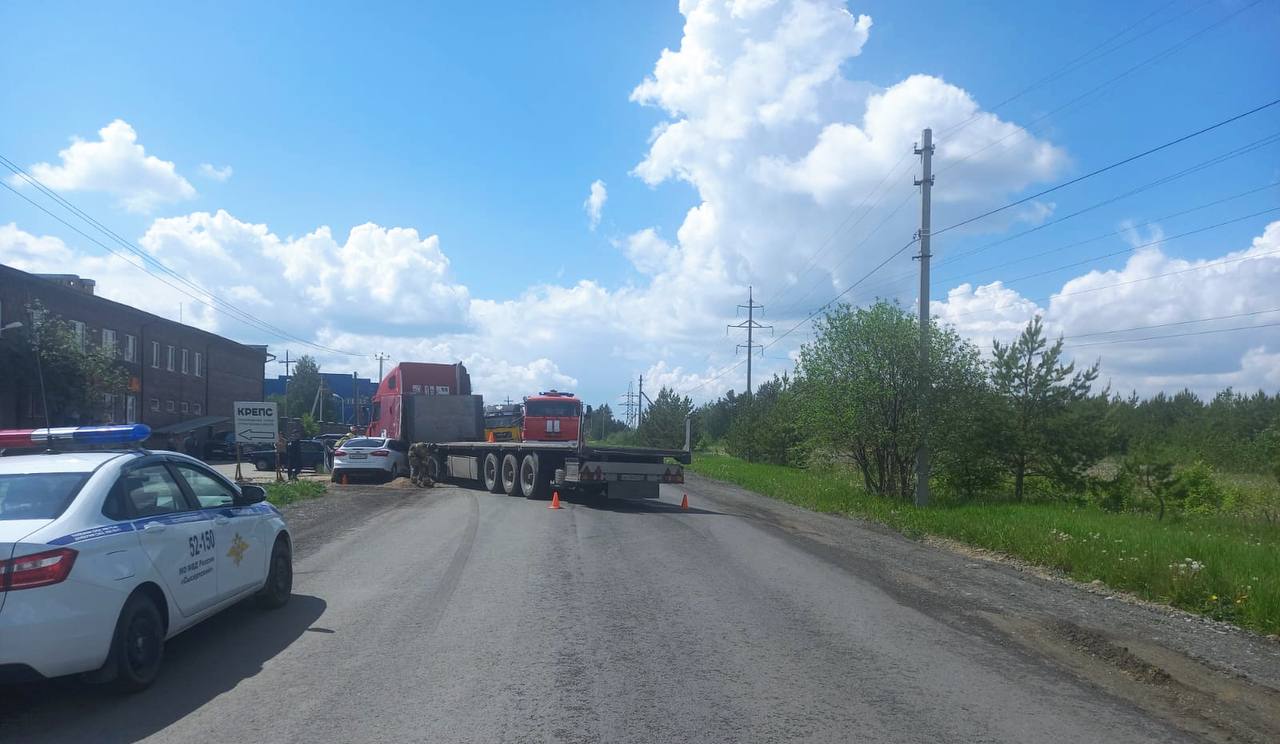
(181, 379)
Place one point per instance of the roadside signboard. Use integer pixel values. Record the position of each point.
(256, 422)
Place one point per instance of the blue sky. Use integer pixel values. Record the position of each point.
(485, 126)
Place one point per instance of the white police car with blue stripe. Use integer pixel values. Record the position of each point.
(105, 555)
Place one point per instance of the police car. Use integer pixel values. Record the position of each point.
(106, 554)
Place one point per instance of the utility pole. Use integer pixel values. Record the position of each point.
(751, 325)
(925, 151)
(286, 362)
(381, 358)
(640, 404)
(355, 398)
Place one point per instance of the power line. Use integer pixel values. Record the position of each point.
(218, 304)
(1201, 267)
(1175, 323)
(1164, 53)
(1106, 168)
(959, 126)
(1174, 335)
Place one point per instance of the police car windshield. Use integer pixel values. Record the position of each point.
(38, 495)
(371, 443)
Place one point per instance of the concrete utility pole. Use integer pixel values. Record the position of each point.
(286, 362)
(751, 325)
(381, 358)
(355, 398)
(925, 151)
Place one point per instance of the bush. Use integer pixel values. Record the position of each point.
(1197, 490)
(1113, 495)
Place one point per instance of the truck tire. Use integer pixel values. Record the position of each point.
(510, 475)
(533, 479)
(262, 465)
(492, 474)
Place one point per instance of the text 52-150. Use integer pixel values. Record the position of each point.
(200, 543)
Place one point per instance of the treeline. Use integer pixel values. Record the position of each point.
(1024, 423)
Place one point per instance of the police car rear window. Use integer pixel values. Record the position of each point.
(38, 495)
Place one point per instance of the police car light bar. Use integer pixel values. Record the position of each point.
(118, 434)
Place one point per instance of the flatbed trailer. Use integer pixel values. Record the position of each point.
(533, 469)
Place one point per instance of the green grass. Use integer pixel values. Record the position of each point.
(288, 492)
(1238, 578)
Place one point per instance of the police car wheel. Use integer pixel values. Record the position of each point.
(279, 585)
(138, 645)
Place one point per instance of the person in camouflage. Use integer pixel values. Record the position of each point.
(419, 455)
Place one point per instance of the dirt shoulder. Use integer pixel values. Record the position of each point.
(314, 522)
(1211, 679)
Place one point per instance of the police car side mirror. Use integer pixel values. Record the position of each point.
(251, 494)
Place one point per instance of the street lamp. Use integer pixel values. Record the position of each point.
(44, 400)
(342, 403)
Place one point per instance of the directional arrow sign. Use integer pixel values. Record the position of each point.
(255, 422)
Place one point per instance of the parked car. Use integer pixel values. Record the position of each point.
(380, 457)
(313, 456)
(330, 440)
(221, 446)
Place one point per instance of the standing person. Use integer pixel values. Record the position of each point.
(281, 448)
(295, 458)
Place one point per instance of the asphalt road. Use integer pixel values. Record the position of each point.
(455, 615)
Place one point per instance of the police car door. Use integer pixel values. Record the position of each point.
(238, 531)
(177, 537)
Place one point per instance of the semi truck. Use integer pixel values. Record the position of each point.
(416, 403)
(553, 454)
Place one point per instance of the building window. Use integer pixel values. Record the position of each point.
(155, 404)
(131, 409)
(199, 360)
(130, 347)
(195, 408)
(155, 354)
(172, 355)
(109, 342)
(77, 330)
(185, 367)
(170, 406)
(184, 406)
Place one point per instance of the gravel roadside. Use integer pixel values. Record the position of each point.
(1213, 679)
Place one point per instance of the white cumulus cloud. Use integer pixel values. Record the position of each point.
(1151, 289)
(115, 164)
(595, 202)
(221, 175)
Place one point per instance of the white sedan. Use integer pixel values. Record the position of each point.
(381, 457)
(104, 555)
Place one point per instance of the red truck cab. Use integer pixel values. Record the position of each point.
(552, 416)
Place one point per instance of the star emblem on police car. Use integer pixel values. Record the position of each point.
(236, 551)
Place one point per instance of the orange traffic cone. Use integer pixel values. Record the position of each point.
(345, 480)
(684, 502)
(555, 500)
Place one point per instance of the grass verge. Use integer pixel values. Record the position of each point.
(288, 492)
(1228, 569)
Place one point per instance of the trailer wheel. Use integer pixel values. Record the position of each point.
(510, 475)
(533, 480)
(492, 473)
